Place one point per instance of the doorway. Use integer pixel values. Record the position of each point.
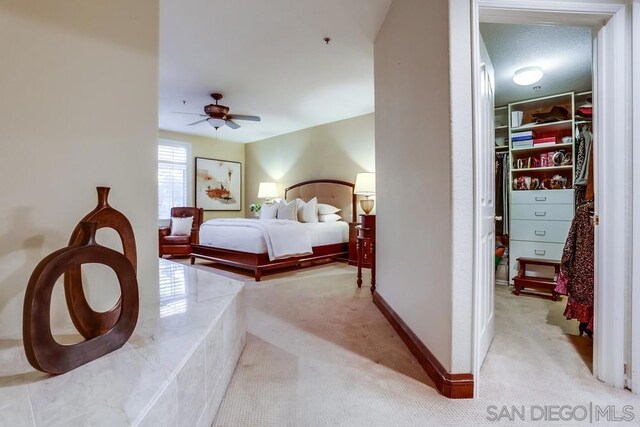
(610, 79)
(544, 190)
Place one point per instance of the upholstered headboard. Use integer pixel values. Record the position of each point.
(329, 191)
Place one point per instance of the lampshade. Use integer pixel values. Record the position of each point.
(527, 76)
(267, 190)
(365, 184)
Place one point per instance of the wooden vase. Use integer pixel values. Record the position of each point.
(88, 322)
(43, 351)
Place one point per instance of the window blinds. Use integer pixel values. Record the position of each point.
(172, 177)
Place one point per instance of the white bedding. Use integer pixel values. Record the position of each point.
(225, 234)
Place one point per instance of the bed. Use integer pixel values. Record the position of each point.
(243, 245)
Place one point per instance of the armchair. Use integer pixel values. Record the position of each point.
(180, 245)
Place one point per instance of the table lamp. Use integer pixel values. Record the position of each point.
(267, 190)
(366, 186)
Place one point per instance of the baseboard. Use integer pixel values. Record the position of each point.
(454, 386)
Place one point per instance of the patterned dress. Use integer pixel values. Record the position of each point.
(576, 268)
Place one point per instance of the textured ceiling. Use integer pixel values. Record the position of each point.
(564, 53)
(267, 58)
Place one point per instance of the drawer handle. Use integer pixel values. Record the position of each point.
(539, 252)
(540, 198)
(541, 214)
(540, 233)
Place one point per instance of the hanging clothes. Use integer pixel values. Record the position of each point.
(506, 184)
(576, 269)
(589, 194)
(583, 155)
(502, 193)
(584, 163)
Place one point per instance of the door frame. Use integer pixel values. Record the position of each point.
(634, 347)
(612, 80)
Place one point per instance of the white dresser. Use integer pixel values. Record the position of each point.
(540, 221)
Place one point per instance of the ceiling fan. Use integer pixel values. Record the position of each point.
(217, 115)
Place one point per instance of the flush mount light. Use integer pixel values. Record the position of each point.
(527, 76)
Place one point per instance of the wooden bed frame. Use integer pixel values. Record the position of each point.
(260, 262)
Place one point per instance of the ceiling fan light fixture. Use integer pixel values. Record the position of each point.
(527, 76)
(216, 123)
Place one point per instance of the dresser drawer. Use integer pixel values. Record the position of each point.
(518, 249)
(544, 212)
(540, 231)
(541, 196)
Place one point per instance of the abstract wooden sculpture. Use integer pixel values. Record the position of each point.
(92, 323)
(104, 332)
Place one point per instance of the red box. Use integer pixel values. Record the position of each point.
(550, 139)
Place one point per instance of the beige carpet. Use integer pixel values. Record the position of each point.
(319, 353)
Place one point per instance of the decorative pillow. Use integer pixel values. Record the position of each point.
(269, 211)
(329, 218)
(288, 210)
(324, 209)
(181, 226)
(308, 212)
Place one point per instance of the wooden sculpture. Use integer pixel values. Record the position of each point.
(92, 323)
(104, 332)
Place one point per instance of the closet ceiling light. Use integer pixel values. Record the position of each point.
(527, 76)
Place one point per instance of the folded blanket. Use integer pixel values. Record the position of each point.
(283, 238)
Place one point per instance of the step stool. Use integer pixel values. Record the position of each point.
(544, 284)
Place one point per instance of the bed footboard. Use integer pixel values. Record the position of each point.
(258, 263)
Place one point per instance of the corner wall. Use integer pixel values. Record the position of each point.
(337, 150)
(213, 149)
(79, 83)
(462, 186)
(413, 170)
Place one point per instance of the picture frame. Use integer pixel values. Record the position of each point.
(218, 184)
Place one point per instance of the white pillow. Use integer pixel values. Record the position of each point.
(324, 209)
(308, 212)
(329, 218)
(181, 226)
(288, 210)
(269, 211)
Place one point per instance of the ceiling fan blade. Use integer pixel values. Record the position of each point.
(243, 117)
(199, 121)
(232, 124)
(193, 114)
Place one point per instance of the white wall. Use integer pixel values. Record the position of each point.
(413, 170)
(79, 109)
(212, 149)
(462, 186)
(337, 150)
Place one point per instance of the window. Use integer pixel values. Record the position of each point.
(172, 176)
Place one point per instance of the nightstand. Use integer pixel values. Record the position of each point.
(366, 248)
(353, 252)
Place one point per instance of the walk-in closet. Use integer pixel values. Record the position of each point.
(544, 187)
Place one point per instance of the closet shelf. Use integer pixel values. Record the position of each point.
(548, 168)
(544, 148)
(551, 126)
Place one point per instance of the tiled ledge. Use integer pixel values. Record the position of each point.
(174, 370)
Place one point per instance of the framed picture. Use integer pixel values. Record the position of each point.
(218, 185)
